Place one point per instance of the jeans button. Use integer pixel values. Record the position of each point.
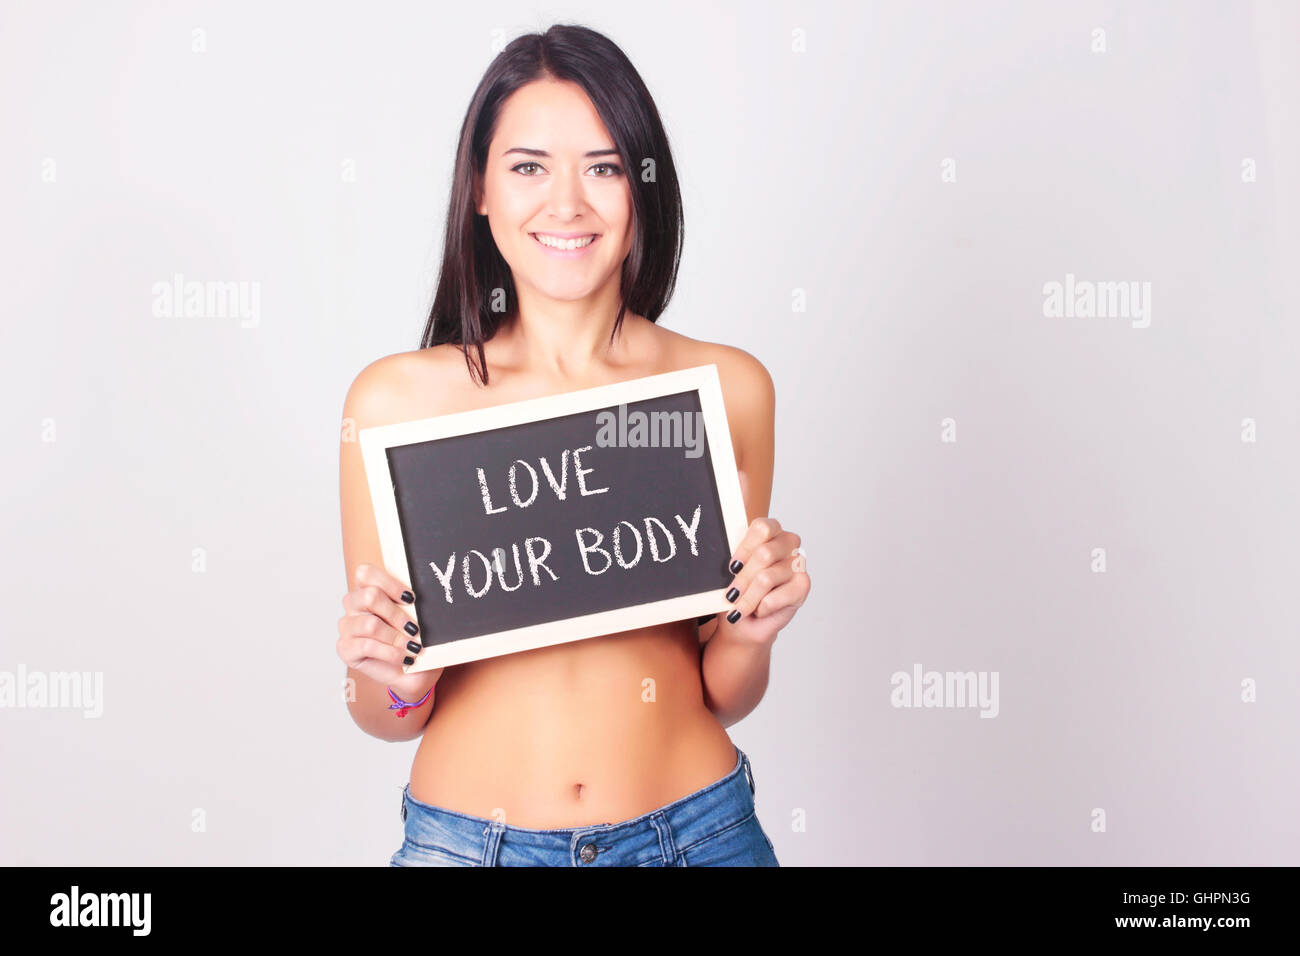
(588, 852)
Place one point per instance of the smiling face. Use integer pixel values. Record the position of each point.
(553, 181)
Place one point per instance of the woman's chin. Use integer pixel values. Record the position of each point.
(573, 291)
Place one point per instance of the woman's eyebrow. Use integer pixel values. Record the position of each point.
(541, 152)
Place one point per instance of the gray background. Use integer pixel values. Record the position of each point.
(816, 171)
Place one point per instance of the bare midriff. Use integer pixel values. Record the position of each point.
(598, 730)
(595, 731)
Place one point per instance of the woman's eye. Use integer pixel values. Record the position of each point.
(614, 169)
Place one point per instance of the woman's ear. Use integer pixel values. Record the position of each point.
(479, 204)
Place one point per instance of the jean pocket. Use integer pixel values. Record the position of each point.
(418, 854)
(739, 844)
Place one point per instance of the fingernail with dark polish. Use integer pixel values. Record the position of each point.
(411, 628)
(732, 595)
(408, 660)
(733, 617)
(413, 647)
(408, 597)
(735, 566)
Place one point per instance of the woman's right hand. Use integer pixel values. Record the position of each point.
(373, 637)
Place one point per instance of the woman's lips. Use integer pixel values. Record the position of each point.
(566, 253)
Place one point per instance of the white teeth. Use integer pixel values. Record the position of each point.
(555, 243)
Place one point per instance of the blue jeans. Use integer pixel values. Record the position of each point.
(714, 826)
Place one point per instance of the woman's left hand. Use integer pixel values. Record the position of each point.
(773, 583)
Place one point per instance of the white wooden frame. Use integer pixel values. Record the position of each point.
(702, 379)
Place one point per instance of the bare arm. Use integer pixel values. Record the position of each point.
(734, 670)
(376, 611)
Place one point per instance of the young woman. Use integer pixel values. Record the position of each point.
(561, 251)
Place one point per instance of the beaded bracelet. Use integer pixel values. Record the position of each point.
(402, 706)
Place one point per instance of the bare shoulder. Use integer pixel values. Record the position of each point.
(743, 377)
(404, 385)
(749, 397)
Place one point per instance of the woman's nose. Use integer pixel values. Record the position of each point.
(566, 195)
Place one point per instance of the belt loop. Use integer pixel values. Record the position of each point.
(404, 786)
(666, 843)
(492, 848)
(749, 773)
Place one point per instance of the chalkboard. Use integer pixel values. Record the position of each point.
(560, 518)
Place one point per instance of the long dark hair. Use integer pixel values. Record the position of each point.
(472, 267)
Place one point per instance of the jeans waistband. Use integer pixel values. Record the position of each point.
(672, 827)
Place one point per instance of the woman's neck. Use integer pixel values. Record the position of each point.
(566, 340)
